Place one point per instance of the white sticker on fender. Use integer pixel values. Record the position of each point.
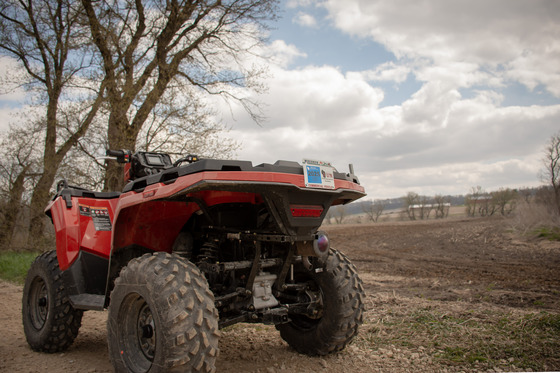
(318, 174)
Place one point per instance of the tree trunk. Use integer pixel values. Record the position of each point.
(51, 161)
(557, 197)
(13, 208)
(39, 201)
(120, 135)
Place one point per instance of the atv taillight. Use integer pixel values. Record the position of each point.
(306, 211)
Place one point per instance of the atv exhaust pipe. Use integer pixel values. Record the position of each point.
(319, 247)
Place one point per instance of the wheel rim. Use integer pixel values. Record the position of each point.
(146, 332)
(136, 329)
(38, 303)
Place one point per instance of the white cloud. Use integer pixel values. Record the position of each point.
(281, 54)
(8, 116)
(11, 77)
(299, 3)
(453, 179)
(318, 112)
(388, 71)
(516, 39)
(321, 97)
(449, 135)
(305, 20)
(12, 97)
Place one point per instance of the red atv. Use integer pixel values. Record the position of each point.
(190, 247)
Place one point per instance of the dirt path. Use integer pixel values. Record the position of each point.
(452, 268)
(244, 348)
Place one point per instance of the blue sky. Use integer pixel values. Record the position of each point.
(430, 96)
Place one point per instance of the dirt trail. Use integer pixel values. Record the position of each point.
(243, 348)
(450, 265)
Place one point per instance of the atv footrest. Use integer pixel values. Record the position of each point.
(94, 302)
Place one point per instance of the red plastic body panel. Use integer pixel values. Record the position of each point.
(147, 219)
(158, 191)
(142, 218)
(76, 231)
(154, 224)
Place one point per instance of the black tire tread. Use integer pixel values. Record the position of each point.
(63, 322)
(340, 326)
(190, 320)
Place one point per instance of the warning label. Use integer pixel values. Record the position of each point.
(99, 215)
(84, 210)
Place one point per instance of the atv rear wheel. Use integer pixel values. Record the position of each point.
(340, 292)
(50, 322)
(162, 317)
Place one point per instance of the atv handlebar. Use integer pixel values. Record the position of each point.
(123, 156)
(114, 153)
(142, 164)
(189, 159)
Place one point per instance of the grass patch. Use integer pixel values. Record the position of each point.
(14, 265)
(480, 339)
(549, 233)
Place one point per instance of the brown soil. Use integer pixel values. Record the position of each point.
(454, 266)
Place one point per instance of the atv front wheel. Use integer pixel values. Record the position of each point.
(162, 317)
(50, 322)
(338, 295)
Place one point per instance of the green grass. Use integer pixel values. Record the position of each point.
(481, 340)
(14, 265)
(549, 233)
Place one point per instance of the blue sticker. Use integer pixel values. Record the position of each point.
(314, 175)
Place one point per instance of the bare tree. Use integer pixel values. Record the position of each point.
(441, 206)
(417, 206)
(180, 123)
(18, 164)
(526, 194)
(50, 45)
(338, 213)
(504, 200)
(551, 170)
(374, 209)
(147, 46)
(472, 199)
(425, 207)
(486, 205)
(409, 201)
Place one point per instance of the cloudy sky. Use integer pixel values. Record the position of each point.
(430, 96)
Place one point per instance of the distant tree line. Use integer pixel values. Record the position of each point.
(478, 203)
(482, 203)
(412, 205)
(420, 207)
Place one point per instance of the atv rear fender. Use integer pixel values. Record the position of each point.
(153, 210)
